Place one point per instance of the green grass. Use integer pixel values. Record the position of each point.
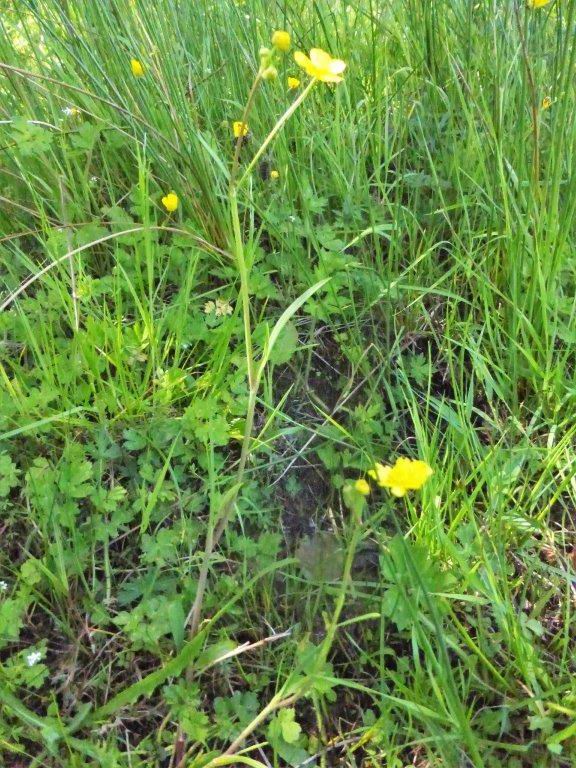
(406, 287)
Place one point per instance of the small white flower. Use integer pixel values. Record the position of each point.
(223, 307)
(33, 658)
(3, 586)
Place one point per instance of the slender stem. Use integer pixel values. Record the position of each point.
(534, 105)
(346, 581)
(243, 272)
(276, 703)
(239, 142)
(73, 291)
(216, 528)
(286, 116)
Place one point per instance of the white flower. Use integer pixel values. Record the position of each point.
(3, 586)
(33, 658)
(221, 308)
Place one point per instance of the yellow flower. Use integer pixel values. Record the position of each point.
(546, 102)
(293, 83)
(270, 73)
(362, 486)
(405, 475)
(137, 68)
(170, 202)
(239, 128)
(281, 40)
(274, 175)
(321, 65)
(537, 3)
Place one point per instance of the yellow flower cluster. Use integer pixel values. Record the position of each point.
(406, 475)
(537, 3)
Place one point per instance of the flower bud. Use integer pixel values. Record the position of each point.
(270, 73)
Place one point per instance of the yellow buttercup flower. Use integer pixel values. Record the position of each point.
(293, 83)
(362, 486)
(405, 475)
(170, 202)
(281, 40)
(274, 175)
(537, 3)
(321, 65)
(546, 102)
(137, 68)
(239, 128)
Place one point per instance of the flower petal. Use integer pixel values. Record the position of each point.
(303, 61)
(337, 66)
(380, 473)
(327, 78)
(320, 58)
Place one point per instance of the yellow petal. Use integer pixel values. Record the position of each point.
(170, 202)
(281, 40)
(136, 67)
(320, 59)
(337, 66)
(397, 491)
(303, 61)
(380, 473)
(328, 78)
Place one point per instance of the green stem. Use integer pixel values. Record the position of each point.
(273, 133)
(239, 142)
(217, 528)
(243, 272)
(346, 581)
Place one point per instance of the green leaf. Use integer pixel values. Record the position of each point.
(286, 345)
(8, 474)
(214, 652)
(282, 321)
(148, 684)
(177, 619)
(284, 735)
(321, 557)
